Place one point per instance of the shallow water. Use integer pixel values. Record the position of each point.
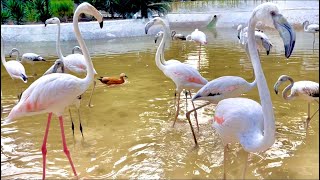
(128, 133)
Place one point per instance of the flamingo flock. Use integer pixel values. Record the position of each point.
(235, 120)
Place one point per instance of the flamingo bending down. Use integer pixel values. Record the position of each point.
(76, 48)
(74, 63)
(176, 36)
(244, 120)
(113, 80)
(199, 37)
(307, 90)
(54, 92)
(261, 38)
(14, 68)
(27, 57)
(183, 75)
(59, 65)
(311, 28)
(219, 89)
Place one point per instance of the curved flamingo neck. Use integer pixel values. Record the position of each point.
(305, 25)
(18, 53)
(268, 115)
(160, 51)
(58, 46)
(286, 90)
(90, 71)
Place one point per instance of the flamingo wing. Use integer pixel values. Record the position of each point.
(306, 88)
(76, 63)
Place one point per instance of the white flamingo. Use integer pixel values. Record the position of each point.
(74, 63)
(183, 75)
(198, 37)
(261, 38)
(311, 28)
(30, 58)
(54, 92)
(306, 90)
(176, 36)
(14, 68)
(242, 120)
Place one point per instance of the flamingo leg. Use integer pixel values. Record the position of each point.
(94, 85)
(65, 148)
(80, 122)
(224, 162)
(44, 147)
(195, 109)
(34, 72)
(245, 166)
(314, 38)
(195, 112)
(72, 125)
(186, 94)
(175, 98)
(177, 112)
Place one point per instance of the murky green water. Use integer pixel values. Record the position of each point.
(128, 133)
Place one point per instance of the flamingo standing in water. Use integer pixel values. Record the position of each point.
(242, 120)
(74, 63)
(198, 37)
(54, 92)
(307, 90)
(261, 38)
(27, 57)
(14, 68)
(311, 28)
(183, 75)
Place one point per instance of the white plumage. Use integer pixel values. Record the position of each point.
(311, 28)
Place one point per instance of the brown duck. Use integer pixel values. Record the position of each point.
(113, 80)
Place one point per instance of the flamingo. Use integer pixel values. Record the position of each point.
(311, 28)
(261, 38)
(113, 80)
(76, 48)
(176, 36)
(245, 121)
(219, 89)
(54, 92)
(183, 75)
(27, 57)
(14, 68)
(306, 90)
(59, 64)
(74, 63)
(199, 37)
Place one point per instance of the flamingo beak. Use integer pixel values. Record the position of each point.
(155, 39)
(286, 32)
(275, 87)
(101, 24)
(148, 25)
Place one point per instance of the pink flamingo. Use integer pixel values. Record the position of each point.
(14, 68)
(54, 92)
(183, 75)
(306, 90)
(244, 120)
(74, 63)
(198, 37)
(219, 89)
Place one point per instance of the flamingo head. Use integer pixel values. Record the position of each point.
(280, 80)
(76, 48)
(305, 23)
(269, 13)
(58, 64)
(154, 21)
(91, 10)
(158, 35)
(53, 20)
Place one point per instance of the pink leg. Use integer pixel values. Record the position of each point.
(44, 147)
(65, 148)
(178, 108)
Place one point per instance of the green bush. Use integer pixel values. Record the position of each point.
(43, 9)
(32, 14)
(16, 10)
(62, 9)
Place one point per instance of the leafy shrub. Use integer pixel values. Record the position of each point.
(62, 9)
(16, 10)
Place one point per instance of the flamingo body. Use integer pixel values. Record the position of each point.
(197, 36)
(176, 36)
(310, 28)
(306, 90)
(222, 88)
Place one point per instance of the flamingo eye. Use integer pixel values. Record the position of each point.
(272, 13)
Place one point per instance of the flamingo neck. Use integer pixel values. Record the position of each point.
(305, 25)
(160, 51)
(18, 54)
(265, 98)
(286, 90)
(58, 47)
(90, 71)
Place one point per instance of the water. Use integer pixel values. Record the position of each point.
(128, 133)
